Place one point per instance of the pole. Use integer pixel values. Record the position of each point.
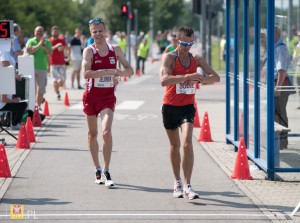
(209, 31)
(151, 24)
(203, 31)
(128, 33)
(136, 30)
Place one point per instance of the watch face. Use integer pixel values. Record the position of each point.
(5, 29)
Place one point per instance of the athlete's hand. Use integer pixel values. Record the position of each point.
(195, 77)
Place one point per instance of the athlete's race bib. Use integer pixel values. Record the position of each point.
(104, 82)
(182, 88)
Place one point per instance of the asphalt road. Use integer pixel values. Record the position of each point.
(56, 180)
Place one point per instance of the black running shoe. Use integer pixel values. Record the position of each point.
(98, 177)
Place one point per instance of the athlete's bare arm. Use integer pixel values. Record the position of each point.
(128, 69)
(87, 65)
(166, 77)
(212, 75)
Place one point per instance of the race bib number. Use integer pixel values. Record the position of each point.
(182, 88)
(104, 82)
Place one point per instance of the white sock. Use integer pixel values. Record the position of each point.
(178, 181)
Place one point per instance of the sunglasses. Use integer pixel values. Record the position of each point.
(96, 20)
(186, 43)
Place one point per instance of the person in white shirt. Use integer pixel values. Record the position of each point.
(8, 102)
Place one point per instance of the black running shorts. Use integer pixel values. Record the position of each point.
(175, 116)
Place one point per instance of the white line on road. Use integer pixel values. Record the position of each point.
(136, 214)
(125, 105)
(129, 105)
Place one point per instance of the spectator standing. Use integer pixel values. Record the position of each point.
(57, 60)
(41, 49)
(142, 55)
(75, 54)
(281, 78)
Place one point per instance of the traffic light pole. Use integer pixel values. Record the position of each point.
(136, 25)
(128, 33)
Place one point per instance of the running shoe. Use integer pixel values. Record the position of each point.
(58, 96)
(178, 192)
(98, 177)
(106, 179)
(189, 192)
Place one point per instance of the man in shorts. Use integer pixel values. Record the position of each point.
(100, 70)
(75, 54)
(57, 60)
(179, 75)
(40, 48)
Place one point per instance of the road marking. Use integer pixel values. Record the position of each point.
(145, 215)
(78, 106)
(125, 105)
(138, 117)
(129, 105)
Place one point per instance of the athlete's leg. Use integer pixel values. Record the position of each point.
(174, 139)
(92, 138)
(188, 154)
(106, 122)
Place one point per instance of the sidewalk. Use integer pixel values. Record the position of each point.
(274, 198)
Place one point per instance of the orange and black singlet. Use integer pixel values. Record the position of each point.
(180, 94)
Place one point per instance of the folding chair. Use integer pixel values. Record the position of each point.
(2, 125)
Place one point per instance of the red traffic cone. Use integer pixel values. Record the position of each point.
(66, 102)
(197, 86)
(29, 130)
(241, 169)
(4, 166)
(205, 135)
(124, 78)
(196, 119)
(22, 142)
(138, 72)
(46, 109)
(36, 119)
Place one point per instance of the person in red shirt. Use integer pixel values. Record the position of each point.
(101, 74)
(179, 75)
(57, 60)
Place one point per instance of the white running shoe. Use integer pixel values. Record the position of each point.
(106, 179)
(178, 192)
(189, 192)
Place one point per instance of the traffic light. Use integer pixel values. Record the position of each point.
(124, 11)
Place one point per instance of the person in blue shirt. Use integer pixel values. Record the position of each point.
(281, 64)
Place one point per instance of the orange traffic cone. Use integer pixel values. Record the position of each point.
(46, 109)
(205, 135)
(4, 166)
(36, 119)
(22, 142)
(196, 119)
(29, 130)
(66, 102)
(138, 72)
(241, 169)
